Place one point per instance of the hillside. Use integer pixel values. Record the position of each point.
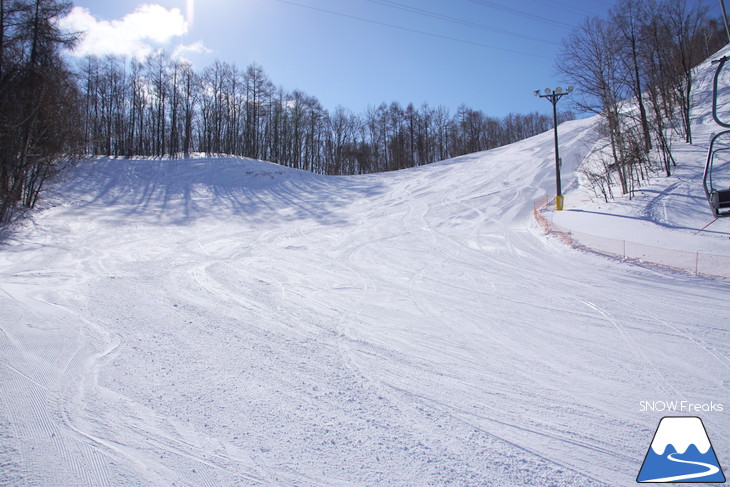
(221, 321)
(666, 213)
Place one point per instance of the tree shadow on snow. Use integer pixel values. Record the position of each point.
(179, 192)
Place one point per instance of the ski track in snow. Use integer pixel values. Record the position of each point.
(231, 322)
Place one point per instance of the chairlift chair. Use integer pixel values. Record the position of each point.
(717, 197)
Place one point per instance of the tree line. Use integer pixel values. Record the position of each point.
(39, 116)
(51, 112)
(635, 69)
(162, 107)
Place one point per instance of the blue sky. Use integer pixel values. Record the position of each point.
(488, 54)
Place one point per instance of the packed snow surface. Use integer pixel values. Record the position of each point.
(232, 322)
(229, 322)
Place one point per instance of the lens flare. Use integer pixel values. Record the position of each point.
(190, 14)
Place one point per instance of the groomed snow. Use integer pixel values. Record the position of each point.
(228, 322)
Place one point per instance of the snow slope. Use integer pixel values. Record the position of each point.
(231, 322)
(667, 212)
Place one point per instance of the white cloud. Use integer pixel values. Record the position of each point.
(136, 34)
(196, 47)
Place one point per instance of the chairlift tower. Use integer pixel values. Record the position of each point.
(553, 97)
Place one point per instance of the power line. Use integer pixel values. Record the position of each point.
(455, 20)
(520, 13)
(554, 4)
(408, 29)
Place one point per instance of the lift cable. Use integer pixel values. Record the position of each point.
(520, 13)
(455, 20)
(415, 31)
(554, 4)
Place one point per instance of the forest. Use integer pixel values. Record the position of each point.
(54, 110)
(163, 107)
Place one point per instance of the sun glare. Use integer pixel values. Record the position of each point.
(190, 14)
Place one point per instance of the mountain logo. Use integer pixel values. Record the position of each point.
(681, 452)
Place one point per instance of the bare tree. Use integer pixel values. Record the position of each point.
(591, 56)
(686, 23)
(39, 120)
(627, 16)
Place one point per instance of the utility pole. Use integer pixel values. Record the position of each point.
(554, 96)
